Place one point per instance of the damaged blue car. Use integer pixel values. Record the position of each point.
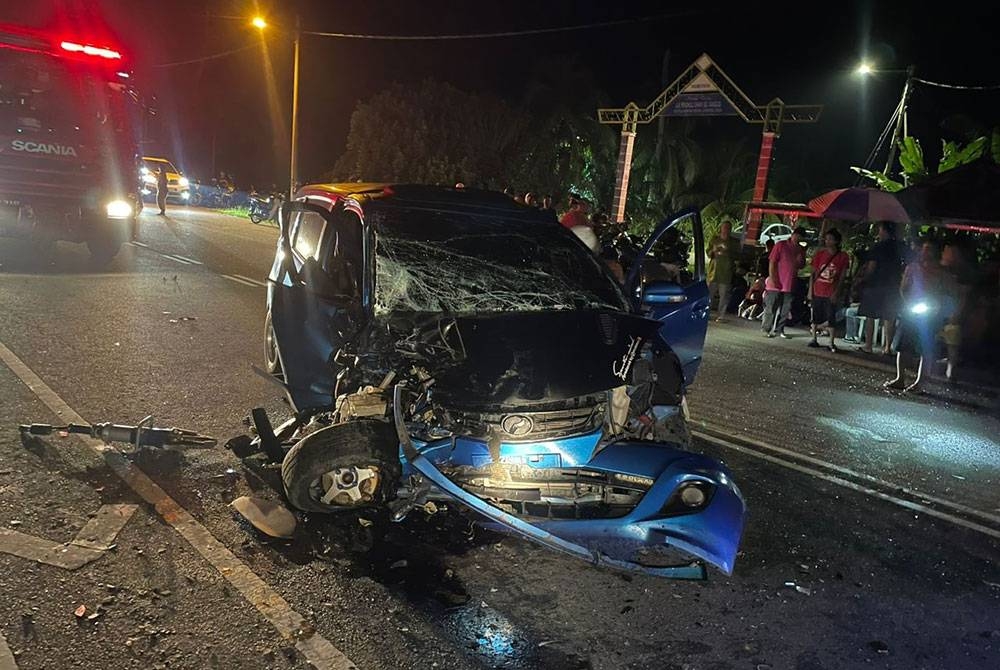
(449, 349)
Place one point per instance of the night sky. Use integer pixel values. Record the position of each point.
(803, 53)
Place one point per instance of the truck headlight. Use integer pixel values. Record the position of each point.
(183, 181)
(118, 209)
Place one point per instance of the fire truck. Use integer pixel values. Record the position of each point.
(70, 125)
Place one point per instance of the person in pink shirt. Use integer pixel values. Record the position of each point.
(787, 257)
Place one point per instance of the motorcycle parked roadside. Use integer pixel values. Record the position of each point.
(265, 209)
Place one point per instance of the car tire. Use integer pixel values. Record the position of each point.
(103, 248)
(272, 359)
(362, 443)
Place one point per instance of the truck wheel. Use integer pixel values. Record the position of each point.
(103, 248)
(357, 462)
(272, 360)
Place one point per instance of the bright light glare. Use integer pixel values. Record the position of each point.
(865, 68)
(186, 195)
(91, 50)
(183, 181)
(259, 22)
(920, 308)
(119, 209)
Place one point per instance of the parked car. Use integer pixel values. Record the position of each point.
(178, 186)
(450, 348)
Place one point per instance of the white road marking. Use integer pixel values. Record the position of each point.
(6, 656)
(185, 258)
(237, 279)
(290, 624)
(958, 507)
(255, 282)
(907, 504)
(176, 259)
(93, 540)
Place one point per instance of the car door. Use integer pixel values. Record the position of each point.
(314, 297)
(664, 286)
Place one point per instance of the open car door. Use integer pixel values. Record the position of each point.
(663, 286)
(314, 297)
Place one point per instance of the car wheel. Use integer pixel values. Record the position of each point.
(344, 467)
(103, 248)
(272, 360)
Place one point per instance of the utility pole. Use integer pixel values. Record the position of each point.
(897, 133)
(293, 168)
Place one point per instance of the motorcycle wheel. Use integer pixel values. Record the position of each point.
(255, 216)
(363, 444)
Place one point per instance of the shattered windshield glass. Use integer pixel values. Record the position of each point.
(461, 262)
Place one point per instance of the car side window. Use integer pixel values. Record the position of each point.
(668, 259)
(344, 260)
(307, 234)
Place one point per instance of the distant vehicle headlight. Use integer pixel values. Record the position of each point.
(118, 209)
(183, 181)
(186, 195)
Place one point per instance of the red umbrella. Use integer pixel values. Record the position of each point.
(860, 204)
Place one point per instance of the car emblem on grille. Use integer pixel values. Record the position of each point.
(516, 425)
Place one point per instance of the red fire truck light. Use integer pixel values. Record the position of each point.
(91, 50)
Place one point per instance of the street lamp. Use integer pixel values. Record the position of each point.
(864, 69)
(260, 23)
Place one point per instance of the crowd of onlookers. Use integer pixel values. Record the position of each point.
(929, 303)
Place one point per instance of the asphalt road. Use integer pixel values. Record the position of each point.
(873, 539)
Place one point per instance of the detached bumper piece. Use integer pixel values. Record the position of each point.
(142, 435)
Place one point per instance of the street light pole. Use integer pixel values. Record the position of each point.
(294, 158)
(897, 133)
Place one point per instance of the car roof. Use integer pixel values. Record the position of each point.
(420, 195)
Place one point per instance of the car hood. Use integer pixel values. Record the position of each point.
(519, 359)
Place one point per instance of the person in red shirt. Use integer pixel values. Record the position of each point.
(577, 214)
(829, 265)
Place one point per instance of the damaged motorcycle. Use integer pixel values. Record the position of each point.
(449, 349)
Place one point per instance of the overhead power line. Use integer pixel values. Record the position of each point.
(506, 33)
(463, 36)
(956, 87)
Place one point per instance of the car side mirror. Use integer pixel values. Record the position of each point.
(663, 293)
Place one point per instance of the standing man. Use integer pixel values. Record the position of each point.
(161, 190)
(723, 250)
(548, 209)
(786, 259)
(880, 280)
(829, 265)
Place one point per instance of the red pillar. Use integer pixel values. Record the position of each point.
(760, 185)
(624, 171)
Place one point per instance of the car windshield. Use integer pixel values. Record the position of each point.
(166, 165)
(460, 262)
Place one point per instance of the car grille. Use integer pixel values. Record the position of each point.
(529, 426)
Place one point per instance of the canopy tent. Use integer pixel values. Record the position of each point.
(963, 198)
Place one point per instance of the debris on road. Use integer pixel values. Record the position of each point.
(801, 589)
(879, 646)
(269, 517)
(80, 611)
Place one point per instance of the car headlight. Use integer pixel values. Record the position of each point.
(183, 181)
(118, 209)
(149, 178)
(920, 308)
(186, 195)
(144, 170)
